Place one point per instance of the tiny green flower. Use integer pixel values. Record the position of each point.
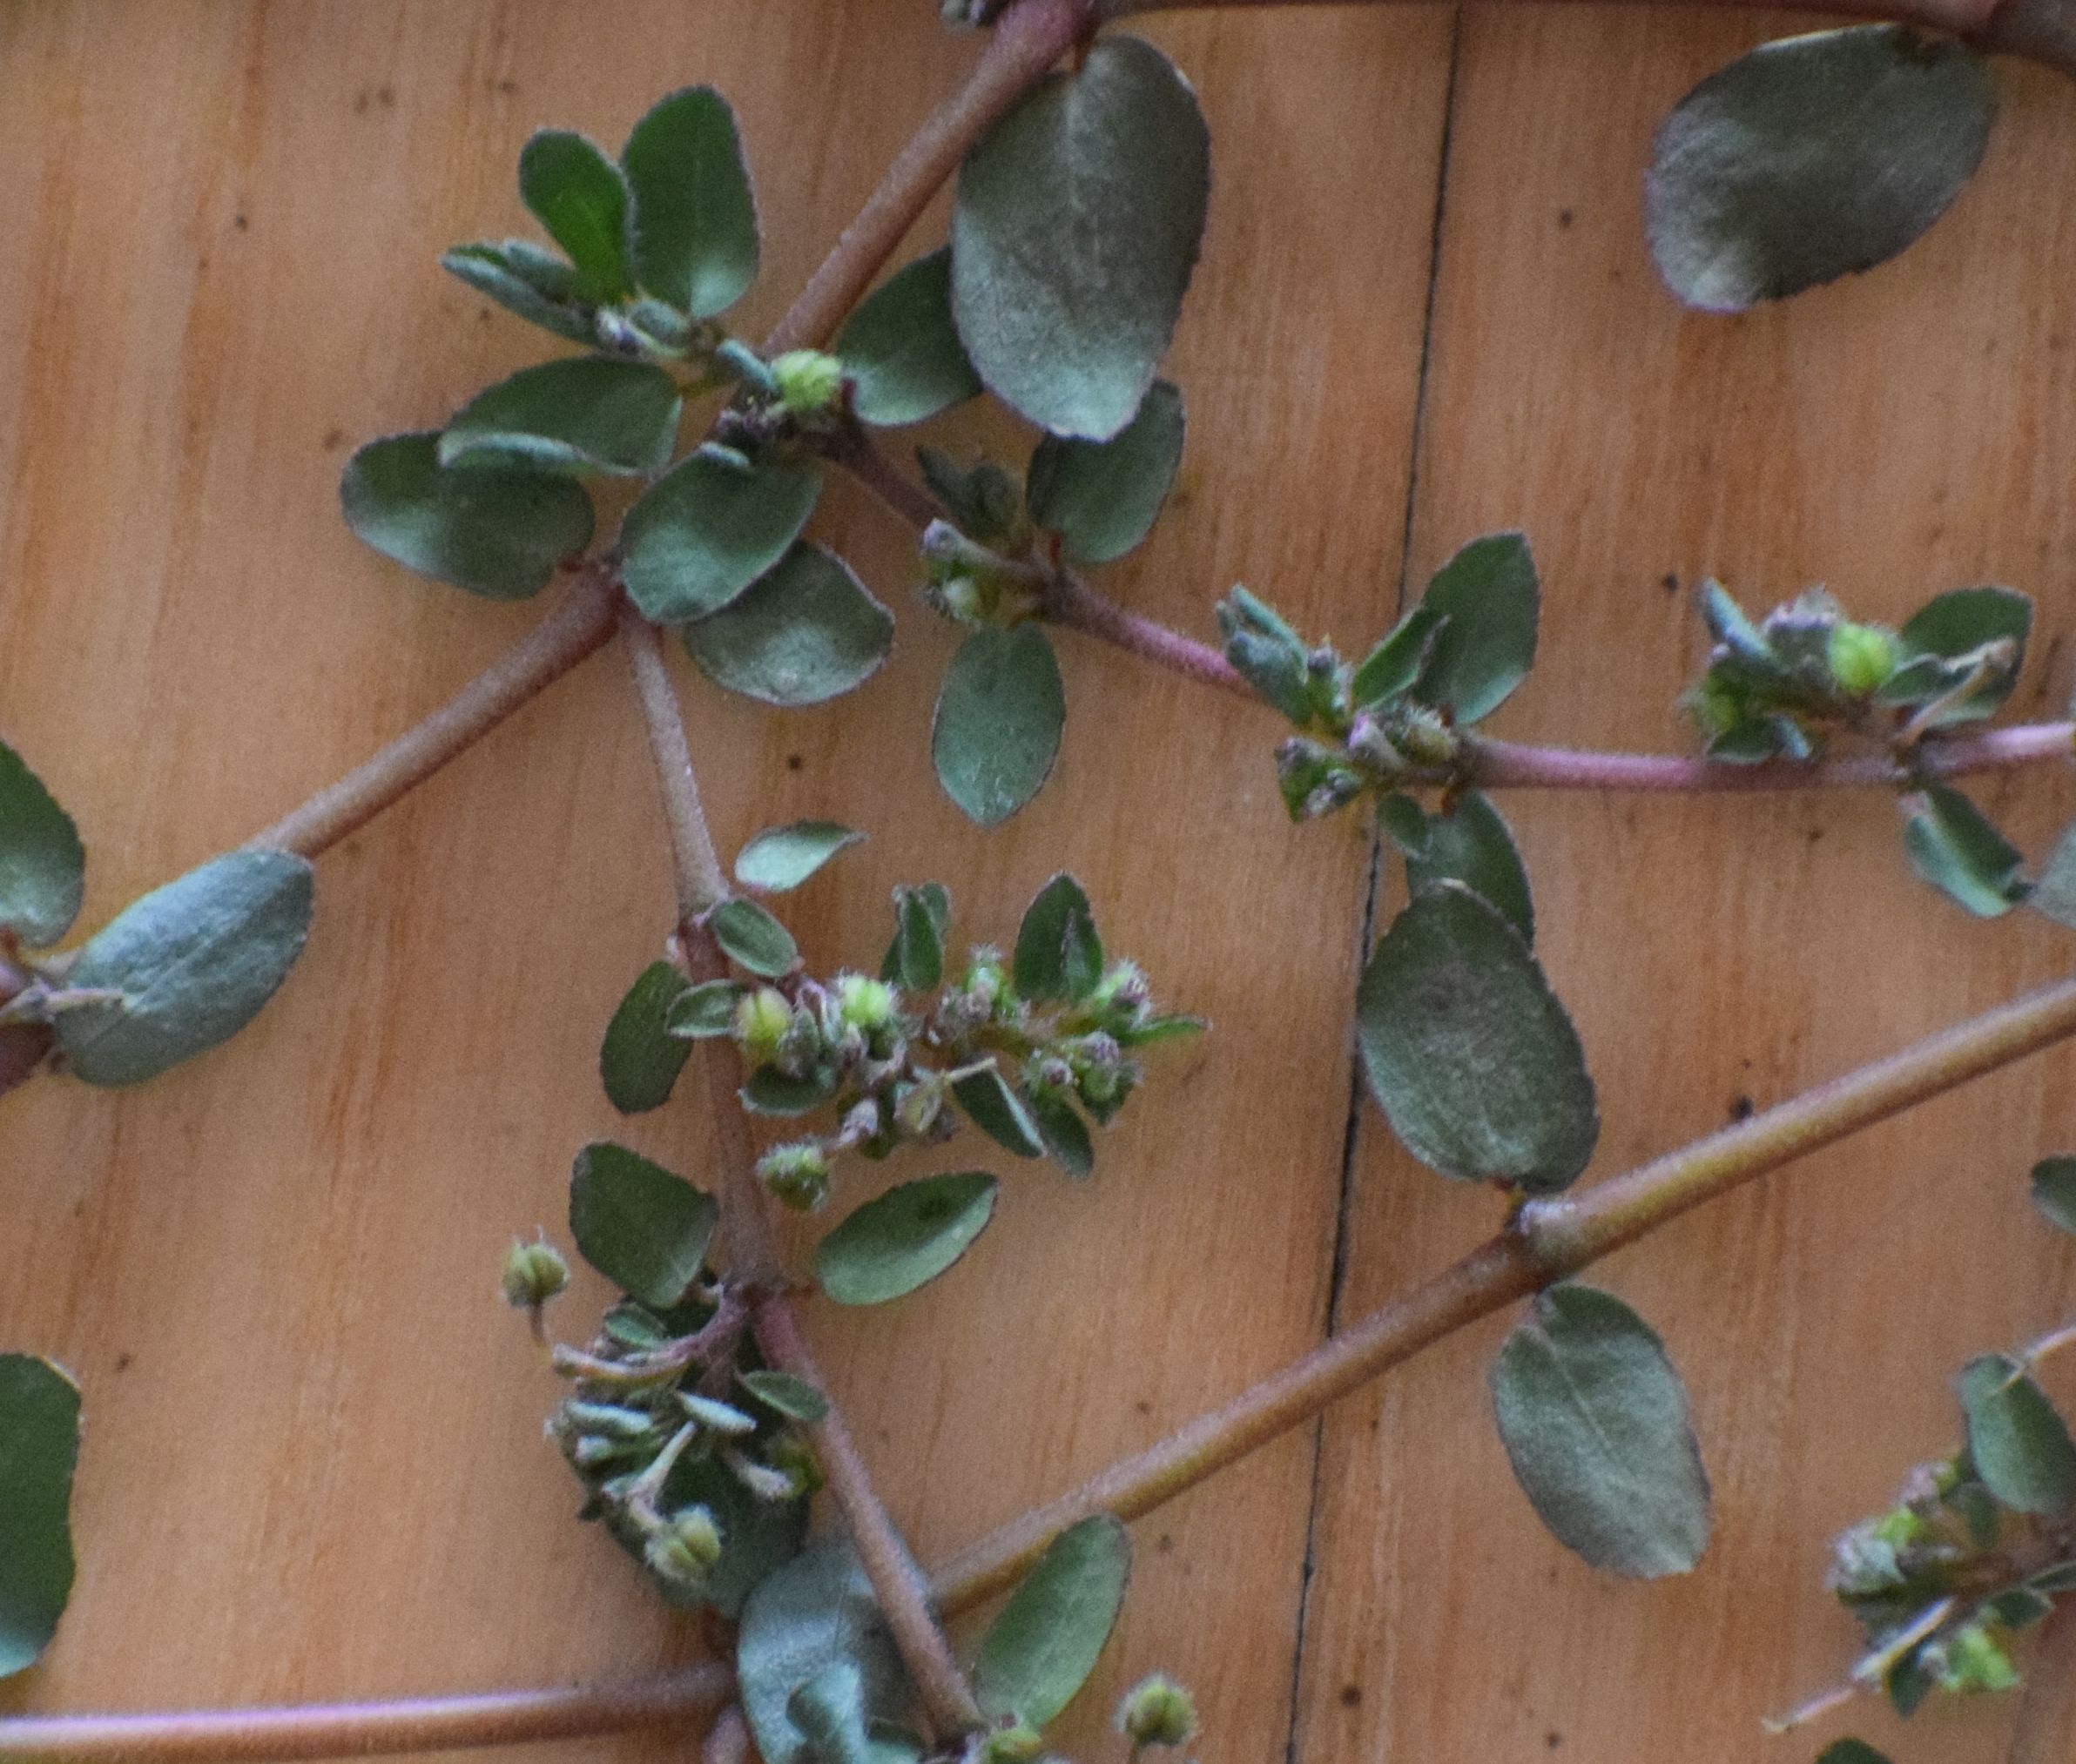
(1157, 1712)
(808, 381)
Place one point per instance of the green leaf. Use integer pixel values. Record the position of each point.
(901, 350)
(996, 732)
(999, 1112)
(1956, 624)
(194, 960)
(1810, 158)
(2021, 1445)
(1474, 1062)
(642, 1228)
(1066, 1135)
(700, 1013)
(2054, 893)
(39, 1445)
(1487, 592)
(1471, 844)
(769, 1091)
(1058, 954)
(1595, 1423)
(984, 501)
(1103, 497)
(695, 220)
(523, 278)
(1040, 1652)
(1392, 669)
(495, 530)
(907, 1237)
(2054, 1190)
(579, 196)
(43, 866)
(639, 1060)
(807, 633)
(815, 1612)
(1956, 849)
(793, 1397)
(584, 414)
(915, 958)
(829, 1710)
(1074, 233)
(1851, 1751)
(710, 527)
(753, 939)
(782, 857)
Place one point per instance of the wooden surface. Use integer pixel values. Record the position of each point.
(313, 1467)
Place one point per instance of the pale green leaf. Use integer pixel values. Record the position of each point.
(815, 1612)
(1040, 1652)
(1954, 626)
(915, 958)
(643, 1229)
(999, 1112)
(782, 857)
(1954, 847)
(792, 1396)
(907, 1236)
(1000, 712)
(525, 280)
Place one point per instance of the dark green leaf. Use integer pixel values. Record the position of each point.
(39, 1444)
(708, 528)
(982, 499)
(1065, 1134)
(194, 960)
(1058, 954)
(909, 1235)
(642, 1228)
(2021, 1445)
(1103, 497)
(1810, 158)
(753, 939)
(1474, 1062)
(1953, 847)
(695, 220)
(1487, 593)
(996, 732)
(902, 351)
(578, 195)
(1595, 1423)
(1040, 1652)
(1470, 844)
(2054, 1190)
(523, 278)
(915, 958)
(782, 857)
(769, 1091)
(816, 1611)
(1954, 626)
(585, 414)
(1073, 232)
(793, 1397)
(1404, 822)
(1391, 668)
(701, 1012)
(999, 1112)
(43, 866)
(1851, 1751)
(495, 530)
(640, 1058)
(807, 632)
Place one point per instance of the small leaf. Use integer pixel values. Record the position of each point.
(1851, 1751)
(640, 1058)
(1404, 822)
(1474, 1062)
(1073, 232)
(915, 958)
(1103, 497)
(815, 1612)
(769, 1091)
(585, 414)
(1040, 1652)
(996, 732)
(782, 857)
(1066, 1135)
(793, 1397)
(901, 350)
(1471, 844)
(708, 528)
(1811, 159)
(495, 530)
(753, 939)
(1487, 592)
(579, 196)
(807, 633)
(701, 1012)
(39, 1445)
(908, 1236)
(829, 1709)
(1392, 669)
(43, 866)
(194, 961)
(2054, 1190)
(1956, 624)
(1058, 954)
(695, 220)
(1956, 849)
(642, 1228)
(983, 500)
(523, 278)
(999, 1112)
(1594, 1420)
(2021, 1445)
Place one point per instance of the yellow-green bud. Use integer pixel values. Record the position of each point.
(684, 1551)
(533, 1274)
(1862, 657)
(797, 1173)
(1157, 1712)
(1020, 1744)
(865, 1004)
(808, 381)
(761, 1021)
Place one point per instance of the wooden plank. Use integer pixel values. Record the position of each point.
(1893, 436)
(313, 1468)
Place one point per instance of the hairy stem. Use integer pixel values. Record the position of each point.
(701, 886)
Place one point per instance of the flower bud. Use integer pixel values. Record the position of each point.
(1862, 657)
(761, 1019)
(917, 1105)
(865, 1004)
(1425, 737)
(1157, 1712)
(683, 1552)
(797, 1173)
(808, 381)
(1020, 1744)
(533, 1274)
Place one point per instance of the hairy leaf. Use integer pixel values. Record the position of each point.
(816, 1611)
(1103, 497)
(710, 527)
(754, 938)
(585, 414)
(915, 958)
(1000, 712)
(901, 350)
(694, 219)
(807, 632)
(1487, 594)
(43, 866)
(640, 1058)
(999, 1112)
(536, 285)
(642, 1228)
(1058, 954)
(907, 1236)
(1471, 844)
(2020, 1443)
(792, 1396)
(782, 857)
(39, 1445)
(1040, 1652)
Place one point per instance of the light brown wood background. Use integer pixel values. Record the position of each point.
(313, 1468)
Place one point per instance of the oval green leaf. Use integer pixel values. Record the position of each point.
(495, 530)
(694, 225)
(807, 633)
(194, 961)
(700, 1013)
(579, 196)
(914, 960)
(753, 939)
(1472, 844)
(782, 857)
(1058, 954)
(1103, 497)
(1810, 158)
(586, 413)
(2055, 1191)
(904, 1239)
(535, 285)
(640, 1058)
(999, 1112)
(814, 1612)
(2020, 1443)
(901, 350)
(1073, 234)
(829, 1709)
(792, 1396)
(996, 732)
(39, 1445)
(1472, 1058)
(642, 1228)
(1039, 1653)
(43, 866)
(708, 528)
(1596, 1423)
(1953, 845)
(1487, 594)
